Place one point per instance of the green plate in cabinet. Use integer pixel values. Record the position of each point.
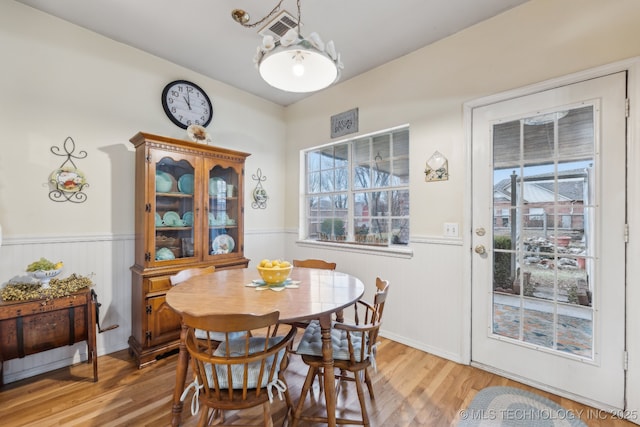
(188, 218)
(171, 218)
(185, 183)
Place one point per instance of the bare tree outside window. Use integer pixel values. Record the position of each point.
(357, 190)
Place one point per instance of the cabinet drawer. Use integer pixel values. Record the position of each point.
(158, 284)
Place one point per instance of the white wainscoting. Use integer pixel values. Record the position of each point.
(426, 307)
(108, 259)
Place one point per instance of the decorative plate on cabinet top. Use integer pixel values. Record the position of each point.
(223, 244)
(199, 134)
(185, 183)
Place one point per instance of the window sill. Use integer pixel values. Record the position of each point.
(399, 251)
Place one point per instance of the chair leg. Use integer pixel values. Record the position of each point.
(367, 380)
(363, 407)
(203, 421)
(320, 376)
(219, 414)
(288, 402)
(311, 374)
(266, 412)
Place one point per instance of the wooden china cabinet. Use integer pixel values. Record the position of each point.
(189, 212)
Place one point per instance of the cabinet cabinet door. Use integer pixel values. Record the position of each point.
(164, 324)
(174, 214)
(223, 200)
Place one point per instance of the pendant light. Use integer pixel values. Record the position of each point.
(294, 63)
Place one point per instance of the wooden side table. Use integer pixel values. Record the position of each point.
(29, 327)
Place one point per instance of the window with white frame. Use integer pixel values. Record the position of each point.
(357, 190)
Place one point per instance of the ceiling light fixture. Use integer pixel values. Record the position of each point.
(544, 119)
(294, 63)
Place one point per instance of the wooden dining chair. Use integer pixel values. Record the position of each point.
(186, 274)
(314, 263)
(240, 372)
(183, 275)
(318, 264)
(322, 265)
(354, 351)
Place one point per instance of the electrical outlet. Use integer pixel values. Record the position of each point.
(451, 229)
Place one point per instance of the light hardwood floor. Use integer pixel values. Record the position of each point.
(413, 388)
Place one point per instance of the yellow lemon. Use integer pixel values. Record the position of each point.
(263, 262)
(285, 264)
(268, 264)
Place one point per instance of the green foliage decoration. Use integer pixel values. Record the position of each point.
(333, 226)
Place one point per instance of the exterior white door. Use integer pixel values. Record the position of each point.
(548, 267)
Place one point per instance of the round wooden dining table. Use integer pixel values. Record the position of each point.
(319, 294)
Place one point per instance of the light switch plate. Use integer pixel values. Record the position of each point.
(451, 229)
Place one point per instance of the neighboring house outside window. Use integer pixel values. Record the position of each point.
(542, 210)
(357, 190)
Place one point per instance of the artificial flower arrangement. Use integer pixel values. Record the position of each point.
(292, 37)
(48, 288)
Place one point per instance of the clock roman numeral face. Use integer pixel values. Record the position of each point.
(186, 104)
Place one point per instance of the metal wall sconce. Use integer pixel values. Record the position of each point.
(437, 168)
(259, 194)
(68, 182)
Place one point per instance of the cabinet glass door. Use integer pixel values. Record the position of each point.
(223, 210)
(174, 209)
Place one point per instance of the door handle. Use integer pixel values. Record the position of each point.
(480, 250)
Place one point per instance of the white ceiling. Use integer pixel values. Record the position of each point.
(201, 35)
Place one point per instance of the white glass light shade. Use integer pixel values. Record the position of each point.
(277, 69)
(544, 119)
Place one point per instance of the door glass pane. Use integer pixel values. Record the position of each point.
(538, 139)
(543, 230)
(575, 133)
(174, 209)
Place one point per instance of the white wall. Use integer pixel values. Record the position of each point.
(59, 80)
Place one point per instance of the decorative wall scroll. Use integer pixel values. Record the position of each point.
(344, 123)
(68, 182)
(437, 168)
(260, 196)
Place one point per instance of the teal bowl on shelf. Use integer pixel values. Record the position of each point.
(164, 254)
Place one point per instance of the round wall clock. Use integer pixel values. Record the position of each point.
(186, 104)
